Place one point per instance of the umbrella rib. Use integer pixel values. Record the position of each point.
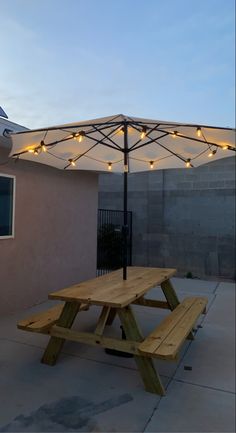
(186, 137)
(168, 150)
(107, 137)
(137, 142)
(77, 125)
(105, 144)
(175, 125)
(87, 132)
(92, 147)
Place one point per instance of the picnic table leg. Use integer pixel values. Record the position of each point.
(172, 299)
(111, 316)
(151, 379)
(55, 344)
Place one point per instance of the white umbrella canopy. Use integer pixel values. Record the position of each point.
(124, 144)
(99, 144)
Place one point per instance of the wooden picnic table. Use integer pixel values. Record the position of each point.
(115, 297)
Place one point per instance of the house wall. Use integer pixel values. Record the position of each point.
(55, 233)
(181, 218)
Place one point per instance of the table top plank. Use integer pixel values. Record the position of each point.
(110, 289)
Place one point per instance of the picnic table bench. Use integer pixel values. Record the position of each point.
(115, 297)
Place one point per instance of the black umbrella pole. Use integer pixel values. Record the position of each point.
(125, 226)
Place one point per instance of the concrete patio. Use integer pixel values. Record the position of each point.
(90, 391)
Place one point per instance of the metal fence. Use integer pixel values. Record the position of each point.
(110, 240)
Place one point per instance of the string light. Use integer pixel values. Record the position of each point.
(188, 163)
(36, 152)
(72, 162)
(31, 150)
(199, 131)
(43, 147)
(174, 134)
(109, 166)
(81, 136)
(212, 153)
(121, 130)
(143, 132)
(151, 164)
(78, 136)
(225, 147)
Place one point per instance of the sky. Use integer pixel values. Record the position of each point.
(69, 60)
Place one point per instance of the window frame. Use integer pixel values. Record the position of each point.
(12, 235)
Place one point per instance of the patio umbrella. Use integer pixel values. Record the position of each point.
(124, 144)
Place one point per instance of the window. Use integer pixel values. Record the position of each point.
(7, 199)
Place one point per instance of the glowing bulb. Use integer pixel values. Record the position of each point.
(174, 134)
(75, 135)
(143, 132)
(81, 136)
(71, 162)
(199, 131)
(31, 150)
(109, 166)
(212, 153)
(36, 152)
(225, 147)
(121, 130)
(151, 164)
(43, 147)
(188, 163)
(78, 136)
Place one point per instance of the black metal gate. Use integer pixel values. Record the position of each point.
(110, 240)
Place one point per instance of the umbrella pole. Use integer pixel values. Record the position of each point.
(125, 200)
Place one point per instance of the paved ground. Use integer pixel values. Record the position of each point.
(90, 391)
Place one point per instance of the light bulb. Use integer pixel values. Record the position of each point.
(81, 136)
(71, 162)
(121, 130)
(188, 163)
(199, 131)
(109, 166)
(143, 132)
(36, 152)
(174, 134)
(212, 153)
(43, 147)
(151, 164)
(225, 147)
(31, 150)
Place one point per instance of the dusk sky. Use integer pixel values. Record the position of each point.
(69, 60)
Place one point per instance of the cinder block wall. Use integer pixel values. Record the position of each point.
(181, 218)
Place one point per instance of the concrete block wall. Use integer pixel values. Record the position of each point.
(183, 218)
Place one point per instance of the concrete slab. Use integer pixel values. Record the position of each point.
(194, 284)
(222, 311)
(36, 397)
(190, 408)
(224, 287)
(212, 359)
